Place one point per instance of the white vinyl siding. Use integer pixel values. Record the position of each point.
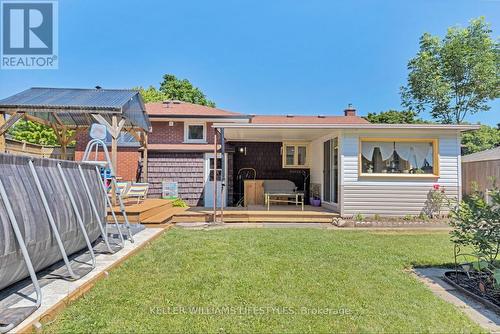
(395, 196)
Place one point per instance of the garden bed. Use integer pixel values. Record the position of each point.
(475, 286)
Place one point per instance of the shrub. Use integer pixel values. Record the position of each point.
(436, 200)
(358, 217)
(179, 203)
(476, 224)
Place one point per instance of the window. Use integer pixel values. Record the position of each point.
(194, 132)
(398, 157)
(218, 170)
(295, 155)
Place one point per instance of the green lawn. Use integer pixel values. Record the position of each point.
(271, 280)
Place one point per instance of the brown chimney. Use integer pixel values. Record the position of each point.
(350, 110)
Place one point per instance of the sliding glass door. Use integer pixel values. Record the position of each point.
(331, 170)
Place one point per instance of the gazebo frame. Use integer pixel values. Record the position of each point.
(76, 110)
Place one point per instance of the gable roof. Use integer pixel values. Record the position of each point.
(284, 119)
(179, 109)
(491, 154)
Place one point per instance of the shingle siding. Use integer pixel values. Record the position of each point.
(185, 168)
(188, 169)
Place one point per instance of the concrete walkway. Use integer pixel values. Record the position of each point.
(57, 293)
(476, 311)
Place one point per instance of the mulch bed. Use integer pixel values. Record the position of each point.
(477, 286)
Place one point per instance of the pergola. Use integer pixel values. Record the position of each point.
(65, 109)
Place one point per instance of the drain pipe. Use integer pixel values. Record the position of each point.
(223, 173)
(215, 177)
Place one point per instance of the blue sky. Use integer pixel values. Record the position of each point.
(256, 57)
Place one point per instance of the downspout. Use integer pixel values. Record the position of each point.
(215, 178)
(223, 173)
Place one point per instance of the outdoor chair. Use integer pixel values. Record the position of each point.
(122, 188)
(138, 190)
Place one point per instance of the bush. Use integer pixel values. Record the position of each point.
(179, 203)
(476, 224)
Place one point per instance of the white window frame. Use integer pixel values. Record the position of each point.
(186, 132)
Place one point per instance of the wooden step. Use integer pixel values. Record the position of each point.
(163, 216)
(136, 213)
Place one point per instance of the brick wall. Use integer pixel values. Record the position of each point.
(128, 158)
(165, 134)
(265, 158)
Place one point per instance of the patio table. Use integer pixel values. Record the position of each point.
(295, 197)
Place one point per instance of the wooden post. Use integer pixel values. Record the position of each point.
(145, 157)
(2, 136)
(215, 177)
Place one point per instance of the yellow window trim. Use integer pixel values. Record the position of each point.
(435, 157)
(296, 154)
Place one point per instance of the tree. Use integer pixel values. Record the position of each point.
(183, 90)
(394, 117)
(454, 76)
(483, 139)
(151, 94)
(34, 133)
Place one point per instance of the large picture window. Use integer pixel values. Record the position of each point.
(398, 157)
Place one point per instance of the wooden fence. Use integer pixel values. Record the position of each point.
(480, 173)
(34, 150)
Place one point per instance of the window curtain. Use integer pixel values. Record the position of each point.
(386, 149)
(415, 153)
(367, 149)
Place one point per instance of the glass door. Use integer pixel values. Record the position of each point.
(331, 170)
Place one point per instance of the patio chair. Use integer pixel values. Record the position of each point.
(138, 190)
(122, 188)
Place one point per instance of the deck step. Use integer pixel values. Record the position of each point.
(163, 216)
(137, 213)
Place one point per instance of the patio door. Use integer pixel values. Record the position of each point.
(331, 170)
(209, 180)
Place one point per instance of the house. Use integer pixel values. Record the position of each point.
(353, 166)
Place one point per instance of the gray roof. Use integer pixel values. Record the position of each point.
(72, 104)
(492, 154)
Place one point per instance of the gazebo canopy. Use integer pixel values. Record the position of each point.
(66, 109)
(74, 108)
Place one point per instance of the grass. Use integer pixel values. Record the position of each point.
(271, 280)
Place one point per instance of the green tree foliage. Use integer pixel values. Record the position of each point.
(173, 88)
(394, 117)
(454, 76)
(151, 94)
(34, 133)
(483, 139)
(183, 90)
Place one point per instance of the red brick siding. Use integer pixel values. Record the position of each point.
(128, 158)
(165, 134)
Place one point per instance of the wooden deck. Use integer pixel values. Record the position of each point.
(259, 213)
(160, 212)
(152, 212)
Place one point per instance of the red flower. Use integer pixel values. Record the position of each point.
(436, 187)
